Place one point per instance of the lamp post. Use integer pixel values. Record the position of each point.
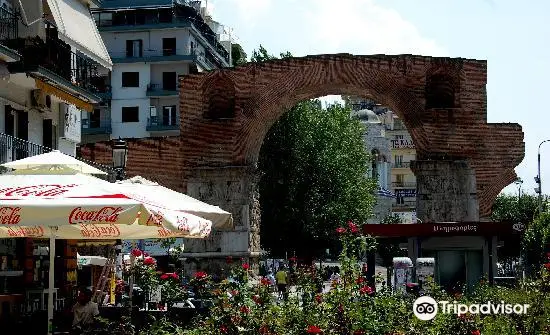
(538, 178)
(120, 156)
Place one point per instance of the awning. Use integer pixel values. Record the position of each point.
(74, 21)
(49, 89)
(444, 229)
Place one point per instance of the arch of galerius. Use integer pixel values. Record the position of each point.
(462, 163)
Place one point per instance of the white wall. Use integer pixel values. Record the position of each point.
(152, 41)
(119, 92)
(129, 129)
(157, 70)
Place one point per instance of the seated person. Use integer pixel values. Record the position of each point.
(84, 310)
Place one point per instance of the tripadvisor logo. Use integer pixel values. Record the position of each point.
(426, 308)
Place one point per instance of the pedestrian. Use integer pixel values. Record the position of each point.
(282, 282)
(85, 311)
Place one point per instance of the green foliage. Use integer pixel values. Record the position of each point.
(515, 209)
(536, 241)
(261, 55)
(314, 162)
(351, 307)
(238, 55)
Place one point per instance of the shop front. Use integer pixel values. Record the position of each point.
(464, 252)
(24, 270)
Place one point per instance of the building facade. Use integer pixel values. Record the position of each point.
(391, 146)
(151, 47)
(380, 170)
(51, 56)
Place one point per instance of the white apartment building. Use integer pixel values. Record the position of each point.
(151, 45)
(51, 55)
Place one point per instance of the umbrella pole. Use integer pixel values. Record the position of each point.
(51, 277)
(131, 280)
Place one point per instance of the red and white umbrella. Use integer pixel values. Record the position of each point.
(84, 207)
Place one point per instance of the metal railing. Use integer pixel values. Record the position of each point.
(13, 148)
(156, 123)
(400, 165)
(405, 204)
(8, 24)
(159, 87)
(403, 184)
(94, 127)
(56, 56)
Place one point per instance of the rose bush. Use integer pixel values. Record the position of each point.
(352, 307)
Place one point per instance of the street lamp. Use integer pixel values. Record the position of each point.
(519, 182)
(538, 179)
(120, 157)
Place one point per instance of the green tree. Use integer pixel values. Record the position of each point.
(238, 55)
(313, 162)
(508, 207)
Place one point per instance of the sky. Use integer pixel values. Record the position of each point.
(512, 36)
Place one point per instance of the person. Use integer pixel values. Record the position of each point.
(271, 278)
(84, 311)
(282, 280)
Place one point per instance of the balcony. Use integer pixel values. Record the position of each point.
(403, 184)
(405, 205)
(157, 90)
(8, 31)
(401, 165)
(153, 56)
(156, 123)
(54, 60)
(13, 148)
(96, 127)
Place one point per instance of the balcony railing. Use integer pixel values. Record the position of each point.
(405, 204)
(96, 127)
(8, 24)
(57, 57)
(401, 165)
(403, 184)
(160, 90)
(13, 148)
(156, 123)
(153, 55)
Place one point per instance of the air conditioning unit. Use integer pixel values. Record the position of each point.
(152, 111)
(41, 100)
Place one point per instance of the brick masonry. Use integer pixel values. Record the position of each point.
(225, 115)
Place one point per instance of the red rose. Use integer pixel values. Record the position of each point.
(341, 230)
(234, 292)
(319, 298)
(264, 329)
(223, 329)
(146, 254)
(476, 332)
(200, 275)
(365, 290)
(164, 276)
(229, 259)
(149, 261)
(314, 330)
(246, 266)
(359, 332)
(360, 280)
(245, 309)
(257, 299)
(547, 266)
(174, 276)
(264, 281)
(136, 253)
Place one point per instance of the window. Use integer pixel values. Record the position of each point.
(399, 161)
(169, 46)
(169, 81)
(399, 179)
(130, 79)
(169, 115)
(130, 114)
(95, 119)
(134, 48)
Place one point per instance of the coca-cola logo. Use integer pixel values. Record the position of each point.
(155, 219)
(99, 231)
(183, 224)
(36, 190)
(35, 232)
(10, 215)
(165, 233)
(106, 214)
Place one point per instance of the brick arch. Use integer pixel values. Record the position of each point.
(294, 86)
(263, 91)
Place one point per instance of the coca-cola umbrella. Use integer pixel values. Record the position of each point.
(78, 206)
